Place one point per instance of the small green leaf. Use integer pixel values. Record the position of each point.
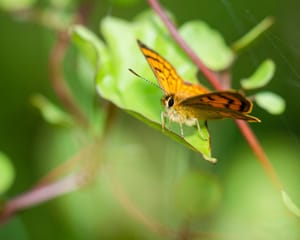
(271, 102)
(253, 34)
(197, 194)
(260, 77)
(14, 5)
(208, 44)
(50, 112)
(88, 43)
(7, 173)
(288, 202)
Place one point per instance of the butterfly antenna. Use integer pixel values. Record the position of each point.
(138, 75)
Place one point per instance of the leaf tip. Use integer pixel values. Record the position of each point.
(288, 202)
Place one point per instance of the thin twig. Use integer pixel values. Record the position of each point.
(152, 224)
(49, 187)
(40, 195)
(259, 152)
(58, 82)
(212, 78)
(135, 212)
(56, 62)
(86, 153)
(57, 54)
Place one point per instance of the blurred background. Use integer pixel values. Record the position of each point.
(153, 181)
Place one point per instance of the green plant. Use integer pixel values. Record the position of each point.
(107, 61)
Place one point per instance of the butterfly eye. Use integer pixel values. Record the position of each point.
(170, 102)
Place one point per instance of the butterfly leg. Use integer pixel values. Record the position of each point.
(181, 129)
(163, 120)
(200, 131)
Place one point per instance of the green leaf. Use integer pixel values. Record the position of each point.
(7, 173)
(288, 202)
(197, 194)
(88, 43)
(253, 34)
(189, 141)
(271, 102)
(14, 5)
(260, 77)
(208, 44)
(51, 113)
(115, 83)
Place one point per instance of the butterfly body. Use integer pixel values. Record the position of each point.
(187, 103)
(175, 112)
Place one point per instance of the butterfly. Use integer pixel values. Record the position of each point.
(187, 103)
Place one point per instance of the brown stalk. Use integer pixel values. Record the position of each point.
(39, 195)
(57, 80)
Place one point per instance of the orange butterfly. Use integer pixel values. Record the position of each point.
(187, 103)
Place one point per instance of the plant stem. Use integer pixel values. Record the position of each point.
(58, 82)
(39, 195)
(213, 79)
(259, 152)
(135, 212)
(209, 74)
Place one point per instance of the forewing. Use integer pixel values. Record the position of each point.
(165, 73)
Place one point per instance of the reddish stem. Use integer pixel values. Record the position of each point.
(210, 75)
(259, 152)
(212, 78)
(39, 195)
(58, 82)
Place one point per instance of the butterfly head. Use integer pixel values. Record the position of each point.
(168, 101)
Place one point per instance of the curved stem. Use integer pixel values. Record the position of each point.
(212, 78)
(151, 223)
(56, 62)
(58, 82)
(135, 212)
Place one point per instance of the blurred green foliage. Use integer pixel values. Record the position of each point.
(6, 173)
(147, 166)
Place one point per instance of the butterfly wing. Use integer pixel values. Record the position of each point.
(167, 76)
(218, 105)
(188, 90)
